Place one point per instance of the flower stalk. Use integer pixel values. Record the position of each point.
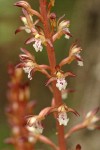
(52, 61)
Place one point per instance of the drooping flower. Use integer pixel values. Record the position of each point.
(91, 119)
(38, 40)
(61, 82)
(34, 125)
(60, 76)
(62, 114)
(29, 64)
(74, 54)
(62, 29)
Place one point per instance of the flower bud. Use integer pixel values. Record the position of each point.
(23, 4)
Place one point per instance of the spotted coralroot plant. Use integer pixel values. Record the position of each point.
(23, 136)
(43, 31)
(18, 107)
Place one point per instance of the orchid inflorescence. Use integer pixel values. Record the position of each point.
(43, 31)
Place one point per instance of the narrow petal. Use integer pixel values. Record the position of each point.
(27, 53)
(45, 111)
(29, 40)
(20, 29)
(74, 111)
(69, 74)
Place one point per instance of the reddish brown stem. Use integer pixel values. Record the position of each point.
(52, 61)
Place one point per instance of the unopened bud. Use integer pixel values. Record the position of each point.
(23, 4)
(52, 16)
(78, 147)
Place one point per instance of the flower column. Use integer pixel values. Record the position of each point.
(52, 61)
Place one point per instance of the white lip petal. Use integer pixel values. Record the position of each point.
(28, 70)
(61, 84)
(34, 125)
(38, 45)
(62, 118)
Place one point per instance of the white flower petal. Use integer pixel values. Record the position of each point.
(28, 30)
(80, 63)
(28, 69)
(67, 36)
(37, 45)
(62, 118)
(34, 125)
(66, 30)
(61, 84)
